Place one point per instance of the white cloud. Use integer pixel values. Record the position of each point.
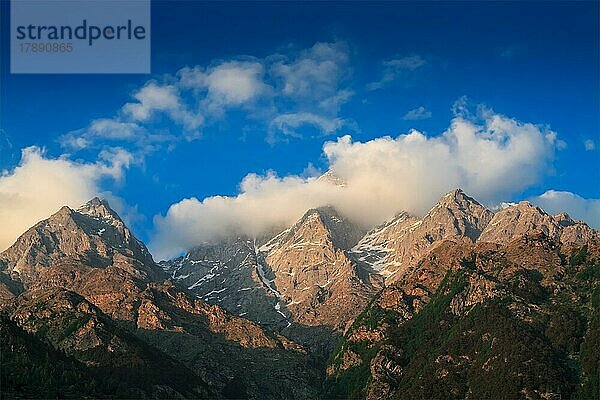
(561, 144)
(224, 85)
(315, 75)
(491, 161)
(112, 129)
(235, 82)
(111, 132)
(191, 221)
(156, 98)
(39, 186)
(311, 88)
(152, 98)
(105, 129)
(589, 145)
(393, 69)
(289, 123)
(577, 207)
(417, 114)
(409, 63)
(282, 92)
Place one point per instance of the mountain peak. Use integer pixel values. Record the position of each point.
(563, 219)
(524, 204)
(456, 205)
(342, 232)
(332, 178)
(403, 240)
(96, 202)
(98, 208)
(455, 192)
(528, 207)
(93, 234)
(63, 211)
(518, 220)
(323, 211)
(457, 196)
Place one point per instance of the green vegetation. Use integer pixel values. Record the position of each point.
(351, 383)
(32, 368)
(578, 256)
(490, 352)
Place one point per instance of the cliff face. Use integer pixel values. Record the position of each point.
(301, 282)
(401, 242)
(228, 274)
(318, 284)
(317, 275)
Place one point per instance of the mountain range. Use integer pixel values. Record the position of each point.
(463, 302)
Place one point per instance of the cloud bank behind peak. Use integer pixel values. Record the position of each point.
(491, 159)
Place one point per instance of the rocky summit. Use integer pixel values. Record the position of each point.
(462, 302)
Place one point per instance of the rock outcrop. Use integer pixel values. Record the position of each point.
(316, 281)
(400, 242)
(229, 274)
(524, 218)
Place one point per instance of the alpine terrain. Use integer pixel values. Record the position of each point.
(462, 302)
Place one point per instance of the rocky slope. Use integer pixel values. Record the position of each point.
(526, 219)
(106, 352)
(301, 282)
(461, 303)
(82, 283)
(317, 283)
(482, 320)
(93, 235)
(310, 280)
(400, 242)
(228, 273)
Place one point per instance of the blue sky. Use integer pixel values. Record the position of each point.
(532, 62)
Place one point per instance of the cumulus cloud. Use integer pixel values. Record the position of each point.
(395, 68)
(417, 114)
(282, 93)
(152, 98)
(39, 186)
(192, 221)
(490, 160)
(577, 207)
(235, 82)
